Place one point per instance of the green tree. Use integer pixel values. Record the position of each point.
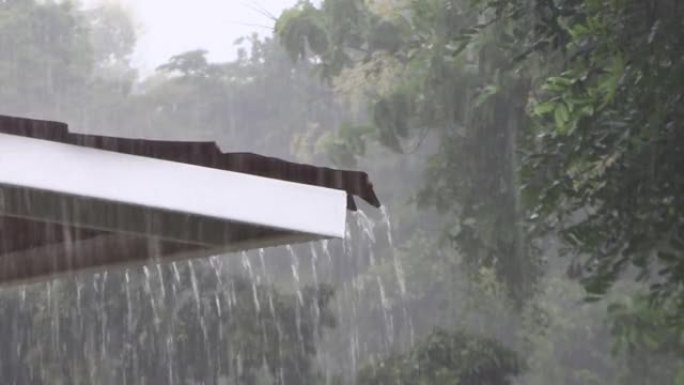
(113, 36)
(433, 68)
(447, 358)
(556, 121)
(603, 167)
(60, 62)
(260, 102)
(599, 167)
(45, 57)
(649, 340)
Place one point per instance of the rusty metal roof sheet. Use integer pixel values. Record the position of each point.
(206, 154)
(64, 238)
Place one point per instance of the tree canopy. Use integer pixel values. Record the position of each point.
(501, 135)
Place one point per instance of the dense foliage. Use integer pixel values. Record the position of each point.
(558, 125)
(500, 136)
(602, 78)
(447, 358)
(424, 70)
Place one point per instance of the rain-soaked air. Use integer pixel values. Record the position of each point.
(341, 192)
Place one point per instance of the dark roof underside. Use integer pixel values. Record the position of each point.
(43, 234)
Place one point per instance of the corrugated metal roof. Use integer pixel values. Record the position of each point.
(43, 233)
(206, 154)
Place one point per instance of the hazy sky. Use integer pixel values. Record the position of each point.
(169, 27)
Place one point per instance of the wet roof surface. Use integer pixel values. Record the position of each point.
(36, 248)
(206, 154)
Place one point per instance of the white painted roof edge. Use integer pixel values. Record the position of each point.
(166, 185)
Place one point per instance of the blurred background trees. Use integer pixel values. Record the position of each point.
(528, 154)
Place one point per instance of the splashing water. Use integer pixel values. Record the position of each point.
(247, 266)
(205, 322)
(399, 270)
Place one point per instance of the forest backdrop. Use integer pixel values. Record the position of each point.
(528, 154)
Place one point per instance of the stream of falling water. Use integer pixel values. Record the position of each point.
(300, 314)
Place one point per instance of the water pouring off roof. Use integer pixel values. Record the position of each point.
(71, 202)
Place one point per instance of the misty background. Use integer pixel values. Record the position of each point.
(166, 28)
(526, 154)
